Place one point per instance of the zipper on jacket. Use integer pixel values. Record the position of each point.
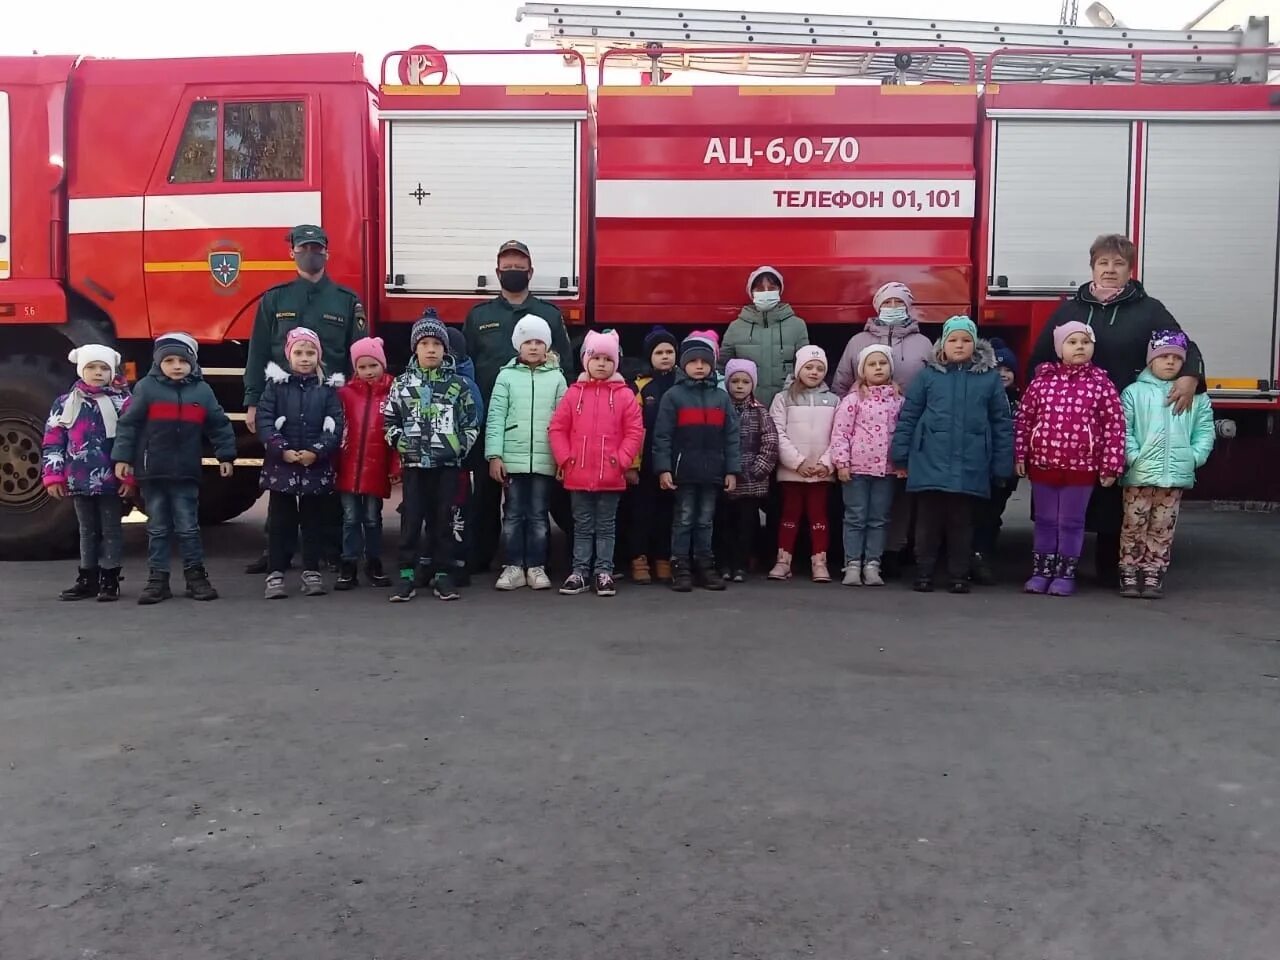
(364, 433)
(533, 406)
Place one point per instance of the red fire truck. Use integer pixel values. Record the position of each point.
(976, 162)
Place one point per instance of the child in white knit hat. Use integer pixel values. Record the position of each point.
(76, 463)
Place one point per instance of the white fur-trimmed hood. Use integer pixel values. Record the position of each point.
(277, 374)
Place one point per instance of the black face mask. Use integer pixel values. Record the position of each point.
(514, 281)
(309, 261)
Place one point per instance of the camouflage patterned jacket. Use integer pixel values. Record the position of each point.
(431, 417)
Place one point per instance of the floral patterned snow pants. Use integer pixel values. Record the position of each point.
(1150, 515)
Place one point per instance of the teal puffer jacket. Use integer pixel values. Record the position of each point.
(770, 340)
(524, 398)
(1161, 449)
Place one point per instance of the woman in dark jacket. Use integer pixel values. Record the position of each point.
(1123, 318)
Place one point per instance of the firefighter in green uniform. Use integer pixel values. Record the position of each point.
(312, 300)
(488, 330)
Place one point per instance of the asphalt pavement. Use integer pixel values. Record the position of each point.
(778, 771)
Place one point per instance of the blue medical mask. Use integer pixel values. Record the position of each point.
(892, 316)
(766, 299)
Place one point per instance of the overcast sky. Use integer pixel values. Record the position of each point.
(373, 27)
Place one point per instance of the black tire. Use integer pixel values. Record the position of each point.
(225, 499)
(33, 526)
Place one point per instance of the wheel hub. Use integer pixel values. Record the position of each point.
(20, 442)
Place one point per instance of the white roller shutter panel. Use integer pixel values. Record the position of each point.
(483, 182)
(1057, 185)
(1208, 251)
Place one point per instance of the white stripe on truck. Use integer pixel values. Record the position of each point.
(195, 211)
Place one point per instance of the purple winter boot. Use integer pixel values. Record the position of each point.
(1064, 582)
(1043, 566)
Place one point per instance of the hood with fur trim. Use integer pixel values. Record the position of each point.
(278, 374)
(984, 357)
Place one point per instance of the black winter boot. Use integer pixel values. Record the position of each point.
(706, 574)
(157, 588)
(980, 571)
(681, 575)
(373, 570)
(346, 576)
(109, 585)
(259, 566)
(1152, 585)
(198, 585)
(86, 586)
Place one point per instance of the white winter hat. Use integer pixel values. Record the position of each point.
(866, 352)
(94, 352)
(759, 272)
(529, 328)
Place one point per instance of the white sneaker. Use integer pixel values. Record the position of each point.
(538, 579)
(511, 578)
(852, 574)
(871, 574)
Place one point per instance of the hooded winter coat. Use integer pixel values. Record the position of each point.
(770, 340)
(1122, 329)
(911, 350)
(650, 390)
(759, 446)
(431, 416)
(79, 455)
(1163, 449)
(954, 432)
(1070, 419)
(299, 412)
(696, 437)
(162, 433)
(366, 464)
(804, 430)
(524, 399)
(863, 430)
(596, 433)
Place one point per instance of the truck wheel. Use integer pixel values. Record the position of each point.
(33, 526)
(225, 499)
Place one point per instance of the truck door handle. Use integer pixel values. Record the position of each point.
(3, 238)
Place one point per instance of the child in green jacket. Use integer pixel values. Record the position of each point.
(525, 396)
(1163, 450)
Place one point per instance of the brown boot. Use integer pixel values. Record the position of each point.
(662, 570)
(640, 570)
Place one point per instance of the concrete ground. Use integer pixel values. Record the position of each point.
(777, 771)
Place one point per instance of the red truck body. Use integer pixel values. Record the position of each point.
(143, 196)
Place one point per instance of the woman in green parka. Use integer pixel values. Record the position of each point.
(767, 332)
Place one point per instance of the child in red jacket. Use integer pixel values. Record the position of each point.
(596, 433)
(367, 466)
(1068, 435)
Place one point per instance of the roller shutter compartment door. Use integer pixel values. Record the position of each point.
(1208, 247)
(1056, 185)
(459, 189)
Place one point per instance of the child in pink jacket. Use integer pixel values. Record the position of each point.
(596, 433)
(1068, 435)
(860, 440)
(803, 414)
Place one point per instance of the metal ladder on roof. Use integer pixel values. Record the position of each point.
(1186, 56)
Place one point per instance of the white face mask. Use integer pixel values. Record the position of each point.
(893, 316)
(766, 299)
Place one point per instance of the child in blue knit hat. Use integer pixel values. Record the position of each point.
(955, 437)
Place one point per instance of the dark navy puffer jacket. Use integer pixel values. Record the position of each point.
(299, 413)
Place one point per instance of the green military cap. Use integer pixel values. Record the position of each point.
(307, 233)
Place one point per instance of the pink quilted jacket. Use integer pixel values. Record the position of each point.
(1070, 419)
(863, 430)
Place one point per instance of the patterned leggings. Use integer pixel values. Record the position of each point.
(1150, 515)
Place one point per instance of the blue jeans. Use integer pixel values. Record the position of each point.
(525, 527)
(695, 516)
(867, 502)
(173, 510)
(595, 525)
(101, 536)
(361, 526)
